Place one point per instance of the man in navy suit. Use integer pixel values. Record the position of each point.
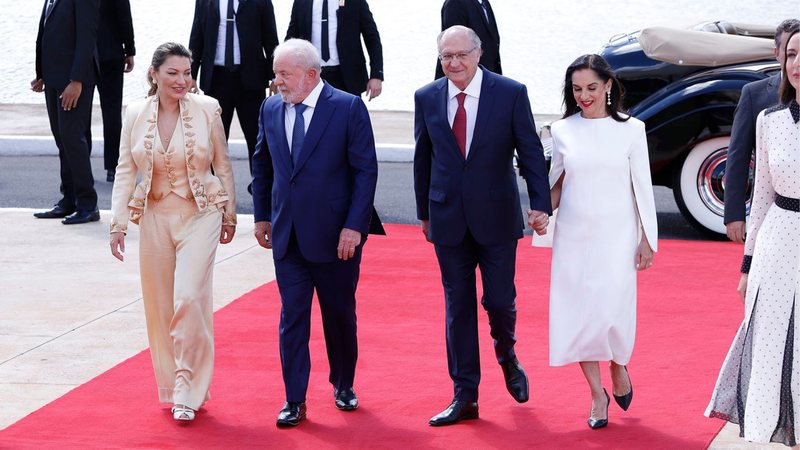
(66, 71)
(314, 178)
(467, 127)
(756, 97)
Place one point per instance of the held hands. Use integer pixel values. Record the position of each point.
(348, 241)
(69, 97)
(226, 235)
(374, 87)
(742, 288)
(117, 244)
(192, 84)
(263, 233)
(736, 231)
(644, 255)
(37, 85)
(538, 220)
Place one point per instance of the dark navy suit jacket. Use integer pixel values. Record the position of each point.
(66, 47)
(756, 97)
(479, 194)
(331, 187)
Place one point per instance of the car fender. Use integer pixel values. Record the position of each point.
(684, 113)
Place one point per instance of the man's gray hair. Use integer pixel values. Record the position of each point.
(303, 53)
(476, 41)
(787, 26)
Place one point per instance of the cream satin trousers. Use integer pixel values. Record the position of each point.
(177, 246)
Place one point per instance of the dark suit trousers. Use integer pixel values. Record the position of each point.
(70, 129)
(335, 283)
(226, 87)
(334, 78)
(497, 265)
(109, 86)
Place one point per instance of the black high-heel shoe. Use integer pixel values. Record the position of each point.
(600, 423)
(624, 401)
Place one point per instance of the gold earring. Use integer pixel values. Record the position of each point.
(608, 98)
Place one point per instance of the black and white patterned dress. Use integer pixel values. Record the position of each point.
(759, 385)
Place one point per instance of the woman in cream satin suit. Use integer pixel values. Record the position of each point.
(172, 139)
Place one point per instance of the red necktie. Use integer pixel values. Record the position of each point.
(460, 125)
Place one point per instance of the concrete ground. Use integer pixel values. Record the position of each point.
(69, 311)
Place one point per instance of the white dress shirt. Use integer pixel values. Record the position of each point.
(473, 92)
(333, 26)
(219, 58)
(311, 102)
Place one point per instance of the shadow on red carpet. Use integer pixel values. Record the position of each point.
(687, 315)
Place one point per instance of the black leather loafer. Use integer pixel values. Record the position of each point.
(56, 213)
(291, 414)
(516, 380)
(82, 217)
(456, 412)
(346, 399)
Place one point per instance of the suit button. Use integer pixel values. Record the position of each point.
(292, 185)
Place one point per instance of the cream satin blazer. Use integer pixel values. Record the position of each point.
(204, 144)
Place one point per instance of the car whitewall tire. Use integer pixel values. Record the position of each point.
(699, 189)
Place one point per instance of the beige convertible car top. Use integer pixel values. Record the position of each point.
(702, 48)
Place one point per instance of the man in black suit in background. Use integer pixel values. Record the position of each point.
(335, 27)
(232, 43)
(66, 71)
(116, 50)
(756, 97)
(478, 16)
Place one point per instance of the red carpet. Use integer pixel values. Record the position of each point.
(688, 314)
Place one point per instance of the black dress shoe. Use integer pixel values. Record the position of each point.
(56, 213)
(600, 423)
(516, 380)
(111, 175)
(624, 401)
(82, 217)
(456, 412)
(291, 414)
(346, 399)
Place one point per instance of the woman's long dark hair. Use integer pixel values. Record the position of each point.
(161, 54)
(788, 92)
(600, 66)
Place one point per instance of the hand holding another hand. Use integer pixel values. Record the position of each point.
(538, 220)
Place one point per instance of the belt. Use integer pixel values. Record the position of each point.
(329, 69)
(790, 204)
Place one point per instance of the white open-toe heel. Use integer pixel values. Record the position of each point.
(182, 413)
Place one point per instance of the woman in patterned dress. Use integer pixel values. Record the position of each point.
(759, 384)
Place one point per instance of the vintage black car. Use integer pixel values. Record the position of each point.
(685, 84)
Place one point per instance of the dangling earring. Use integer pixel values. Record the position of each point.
(608, 97)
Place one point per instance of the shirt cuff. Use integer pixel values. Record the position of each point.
(746, 261)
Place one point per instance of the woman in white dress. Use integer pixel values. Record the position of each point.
(605, 230)
(759, 384)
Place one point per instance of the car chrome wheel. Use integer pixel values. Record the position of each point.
(710, 180)
(699, 187)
